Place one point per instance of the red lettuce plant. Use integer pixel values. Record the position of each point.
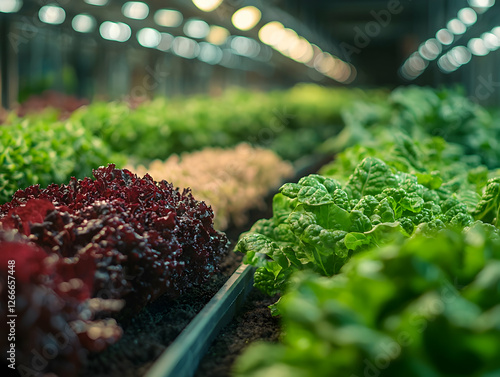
(91, 244)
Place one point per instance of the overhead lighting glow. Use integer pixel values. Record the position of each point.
(477, 47)
(430, 50)
(341, 73)
(149, 37)
(271, 33)
(445, 65)
(52, 14)
(324, 63)
(491, 41)
(210, 53)
(456, 26)
(302, 52)
(98, 3)
(468, 16)
(246, 18)
(445, 37)
(195, 28)
(136, 10)
(115, 31)
(185, 47)
(481, 6)
(168, 17)
(217, 35)
(207, 5)
(245, 46)
(496, 31)
(83, 23)
(287, 42)
(10, 6)
(461, 55)
(165, 42)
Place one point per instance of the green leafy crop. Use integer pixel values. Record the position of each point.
(318, 224)
(419, 307)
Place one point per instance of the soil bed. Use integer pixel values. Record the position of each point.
(150, 332)
(253, 322)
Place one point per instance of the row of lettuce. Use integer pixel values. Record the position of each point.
(388, 261)
(41, 149)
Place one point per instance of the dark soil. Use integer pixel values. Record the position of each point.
(150, 332)
(253, 322)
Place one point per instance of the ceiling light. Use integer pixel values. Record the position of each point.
(245, 46)
(246, 18)
(302, 52)
(491, 41)
(10, 6)
(135, 9)
(468, 16)
(210, 53)
(115, 31)
(207, 5)
(52, 14)
(481, 6)
(83, 23)
(477, 47)
(271, 32)
(444, 37)
(185, 47)
(149, 37)
(431, 49)
(217, 35)
(456, 26)
(168, 17)
(461, 54)
(98, 3)
(165, 42)
(195, 28)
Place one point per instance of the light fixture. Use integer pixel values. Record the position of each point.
(185, 47)
(196, 28)
(98, 3)
(246, 18)
(481, 6)
(149, 37)
(468, 16)
(302, 52)
(477, 47)
(491, 41)
(217, 35)
(461, 54)
(210, 53)
(168, 17)
(83, 23)
(430, 49)
(207, 5)
(166, 42)
(245, 46)
(445, 37)
(136, 10)
(456, 26)
(10, 6)
(271, 33)
(115, 31)
(52, 14)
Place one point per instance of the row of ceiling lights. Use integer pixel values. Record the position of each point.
(273, 34)
(431, 49)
